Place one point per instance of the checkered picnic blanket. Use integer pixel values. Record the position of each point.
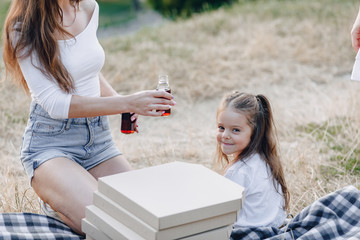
(31, 226)
(334, 216)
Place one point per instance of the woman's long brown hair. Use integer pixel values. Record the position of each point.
(32, 26)
(263, 141)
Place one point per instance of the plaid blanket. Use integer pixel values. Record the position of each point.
(31, 226)
(335, 216)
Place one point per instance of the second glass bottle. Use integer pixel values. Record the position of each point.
(163, 85)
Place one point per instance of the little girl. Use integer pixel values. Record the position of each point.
(247, 152)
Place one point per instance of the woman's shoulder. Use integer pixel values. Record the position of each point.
(88, 5)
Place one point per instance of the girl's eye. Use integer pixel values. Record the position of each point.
(221, 128)
(236, 130)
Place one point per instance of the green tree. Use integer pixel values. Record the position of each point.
(175, 8)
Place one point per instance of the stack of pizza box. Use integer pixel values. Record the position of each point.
(175, 200)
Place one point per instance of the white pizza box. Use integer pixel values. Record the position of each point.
(215, 234)
(107, 224)
(173, 194)
(141, 228)
(92, 232)
(116, 231)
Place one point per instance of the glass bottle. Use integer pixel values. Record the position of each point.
(163, 85)
(127, 126)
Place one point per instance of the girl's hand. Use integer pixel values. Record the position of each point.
(151, 102)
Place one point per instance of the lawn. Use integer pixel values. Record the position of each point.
(298, 53)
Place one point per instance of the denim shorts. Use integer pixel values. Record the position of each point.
(86, 141)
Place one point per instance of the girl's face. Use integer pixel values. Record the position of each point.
(234, 131)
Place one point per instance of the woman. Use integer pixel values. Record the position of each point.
(51, 50)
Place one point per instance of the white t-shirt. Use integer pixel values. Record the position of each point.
(82, 56)
(263, 205)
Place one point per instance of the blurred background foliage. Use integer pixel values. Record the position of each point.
(168, 8)
(185, 8)
(117, 12)
(4, 5)
(113, 12)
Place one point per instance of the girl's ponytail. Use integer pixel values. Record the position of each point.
(266, 139)
(268, 146)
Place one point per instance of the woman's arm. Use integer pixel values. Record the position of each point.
(61, 105)
(110, 102)
(142, 103)
(44, 91)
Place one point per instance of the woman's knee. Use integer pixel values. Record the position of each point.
(66, 187)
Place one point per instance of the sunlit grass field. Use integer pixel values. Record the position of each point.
(296, 52)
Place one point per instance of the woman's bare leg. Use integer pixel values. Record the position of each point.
(67, 188)
(114, 165)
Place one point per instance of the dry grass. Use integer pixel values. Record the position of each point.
(298, 53)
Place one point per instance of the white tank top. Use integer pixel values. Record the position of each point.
(82, 56)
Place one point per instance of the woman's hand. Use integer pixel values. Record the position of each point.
(151, 102)
(355, 33)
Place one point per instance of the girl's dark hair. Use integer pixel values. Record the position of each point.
(32, 25)
(263, 140)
